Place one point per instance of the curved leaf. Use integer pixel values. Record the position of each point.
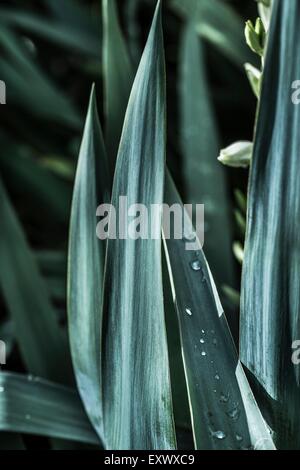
(32, 405)
(224, 412)
(217, 22)
(86, 263)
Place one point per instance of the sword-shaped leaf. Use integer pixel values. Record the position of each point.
(137, 393)
(118, 77)
(86, 264)
(203, 176)
(34, 406)
(223, 410)
(270, 321)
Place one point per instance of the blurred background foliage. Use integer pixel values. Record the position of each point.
(51, 53)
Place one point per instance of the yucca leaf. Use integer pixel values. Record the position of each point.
(19, 69)
(224, 412)
(270, 293)
(39, 336)
(31, 405)
(117, 109)
(86, 264)
(217, 22)
(118, 77)
(137, 392)
(203, 177)
(57, 32)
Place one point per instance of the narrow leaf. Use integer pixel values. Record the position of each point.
(118, 77)
(34, 406)
(86, 264)
(203, 177)
(270, 293)
(224, 412)
(137, 392)
(217, 22)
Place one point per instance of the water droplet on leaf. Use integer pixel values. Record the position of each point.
(195, 265)
(224, 398)
(219, 435)
(234, 414)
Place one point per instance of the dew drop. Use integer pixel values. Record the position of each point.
(195, 265)
(202, 331)
(234, 414)
(203, 353)
(217, 377)
(202, 341)
(1, 389)
(238, 437)
(224, 398)
(30, 378)
(219, 435)
(189, 311)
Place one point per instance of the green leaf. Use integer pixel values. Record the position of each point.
(118, 77)
(31, 405)
(57, 32)
(40, 339)
(203, 178)
(86, 263)
(224, 412)
(270, 293)
(137, 393)
(20, 71)
(217, 22)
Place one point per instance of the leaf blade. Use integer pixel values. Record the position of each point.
(139, 326)
(35, 406)
(270, 291)
(85, 267)
(223, 410)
